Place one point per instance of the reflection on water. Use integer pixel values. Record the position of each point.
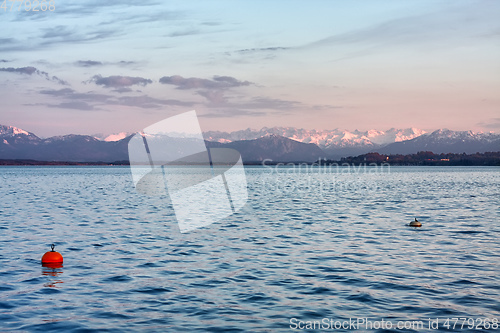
(52, 270)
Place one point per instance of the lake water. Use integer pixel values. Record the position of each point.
(312, 244)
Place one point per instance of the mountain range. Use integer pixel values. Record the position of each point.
(325, 139)
(16, 143)
(280, 144)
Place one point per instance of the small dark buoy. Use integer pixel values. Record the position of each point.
(415, 223)
(52, 257)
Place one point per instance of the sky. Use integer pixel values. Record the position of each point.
(89, 67)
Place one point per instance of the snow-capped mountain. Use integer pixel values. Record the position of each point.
(327, 139)
(393, 135)
(446, 136)
(16, 143)
(278, 144)
(273, 147)
(112, 137)
(446, 141)
(12, 135)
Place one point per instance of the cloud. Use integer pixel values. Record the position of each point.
(441, 28)
(122, 90)
(124, 13)
(126, 63)
(3, 60)
(60, 92)
(257, 54)
(7, 43)
(60, 34)
(75, 100)
(217, 82)
(70, 94)
(29, 70)
(11, 44)
(187, 32)
(492, 123)
(152, 15)
(60, 31)
(263, 49)
(226, 113)
(76, 105)
(150, 102)
(223, 107)
(89, 100)
(88, 63)
(212, 89)
(269, 103)
(217, 90)
(214, 93)
(65, 34)
(217, 99)
(96, 6)
(264, 103)
(259, 107)
(95, 63)
(211, 24)
(400, 31)
(117, 81)
(214, 97)
(21, 70)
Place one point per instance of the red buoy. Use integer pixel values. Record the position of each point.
(52, 257)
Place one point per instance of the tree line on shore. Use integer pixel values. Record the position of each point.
(424, 158)
(420, 158)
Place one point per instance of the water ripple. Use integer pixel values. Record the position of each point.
(293, 251)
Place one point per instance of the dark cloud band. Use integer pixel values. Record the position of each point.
(217, 82)
(119, 81)
(30, 70)
(88, 63)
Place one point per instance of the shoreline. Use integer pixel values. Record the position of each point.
(423, 158)
(256, 163)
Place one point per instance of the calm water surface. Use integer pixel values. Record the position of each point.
(310, 244)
